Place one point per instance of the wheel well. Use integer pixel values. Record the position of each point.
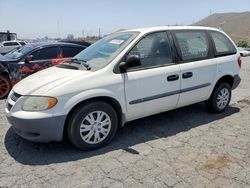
(113, 102)
(228, 79)
(5, 74)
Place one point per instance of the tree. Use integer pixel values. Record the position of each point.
(242, 43)
(70, 36)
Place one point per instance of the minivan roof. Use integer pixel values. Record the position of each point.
(153, 29)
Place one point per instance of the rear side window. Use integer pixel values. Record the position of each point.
(11, 44)
(46, 53)
(22, 43)
(223, 45)
(70, 51)
(192, 44)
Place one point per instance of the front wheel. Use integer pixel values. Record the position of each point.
(92, 125)
(220, 98)
(5, 86)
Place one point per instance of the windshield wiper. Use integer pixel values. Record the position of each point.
(82, 62)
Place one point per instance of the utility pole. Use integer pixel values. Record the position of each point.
(210, 12)
(100, 32)
(58, 27)
(221, 25)
(83, 33)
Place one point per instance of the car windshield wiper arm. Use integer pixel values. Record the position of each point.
(82, 62)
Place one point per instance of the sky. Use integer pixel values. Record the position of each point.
(58, 18)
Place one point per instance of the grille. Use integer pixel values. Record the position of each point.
(9, 106)
(15, 96)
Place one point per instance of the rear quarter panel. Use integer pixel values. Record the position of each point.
(226, 65)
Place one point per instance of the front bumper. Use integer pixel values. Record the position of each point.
(44, 126)
(39, 130)
(236, 81)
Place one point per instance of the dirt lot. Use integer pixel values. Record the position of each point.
(182, 148)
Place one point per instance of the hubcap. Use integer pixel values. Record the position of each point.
(222, 98)
(95, 127)
(4, 87)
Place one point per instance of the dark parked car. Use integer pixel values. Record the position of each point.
(31, 58)
(79, 42)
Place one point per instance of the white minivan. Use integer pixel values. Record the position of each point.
(125, 76)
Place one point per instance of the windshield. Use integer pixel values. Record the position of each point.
(105, 50)
(19, 53)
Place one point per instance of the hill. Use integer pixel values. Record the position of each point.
(236, 25)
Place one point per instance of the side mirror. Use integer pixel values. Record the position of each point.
(131, 61)
(28, 58)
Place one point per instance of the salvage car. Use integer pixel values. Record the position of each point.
(7, 46)
(80, 42)
(125, 76)
(243, 52)
(31, 58)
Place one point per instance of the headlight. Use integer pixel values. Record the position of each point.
(38, 103)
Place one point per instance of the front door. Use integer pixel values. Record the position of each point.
(152, 87)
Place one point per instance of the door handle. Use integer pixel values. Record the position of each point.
(173, 77)
(187, 75)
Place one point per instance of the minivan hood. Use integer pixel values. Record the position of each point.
(45, 80)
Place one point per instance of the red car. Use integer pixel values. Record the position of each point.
(31, 58)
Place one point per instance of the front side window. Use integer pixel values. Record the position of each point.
(22, 43)
(10, 44)
(46, 53)
(193, 44)
(222, 44)
(153, 50)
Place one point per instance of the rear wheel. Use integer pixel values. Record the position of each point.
(220, 98)
(92, 125)
(5, 86)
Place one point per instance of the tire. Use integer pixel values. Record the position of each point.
(220, 98)
(84, 127)
(5, 86)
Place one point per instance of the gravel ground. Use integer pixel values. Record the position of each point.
(187, 147)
